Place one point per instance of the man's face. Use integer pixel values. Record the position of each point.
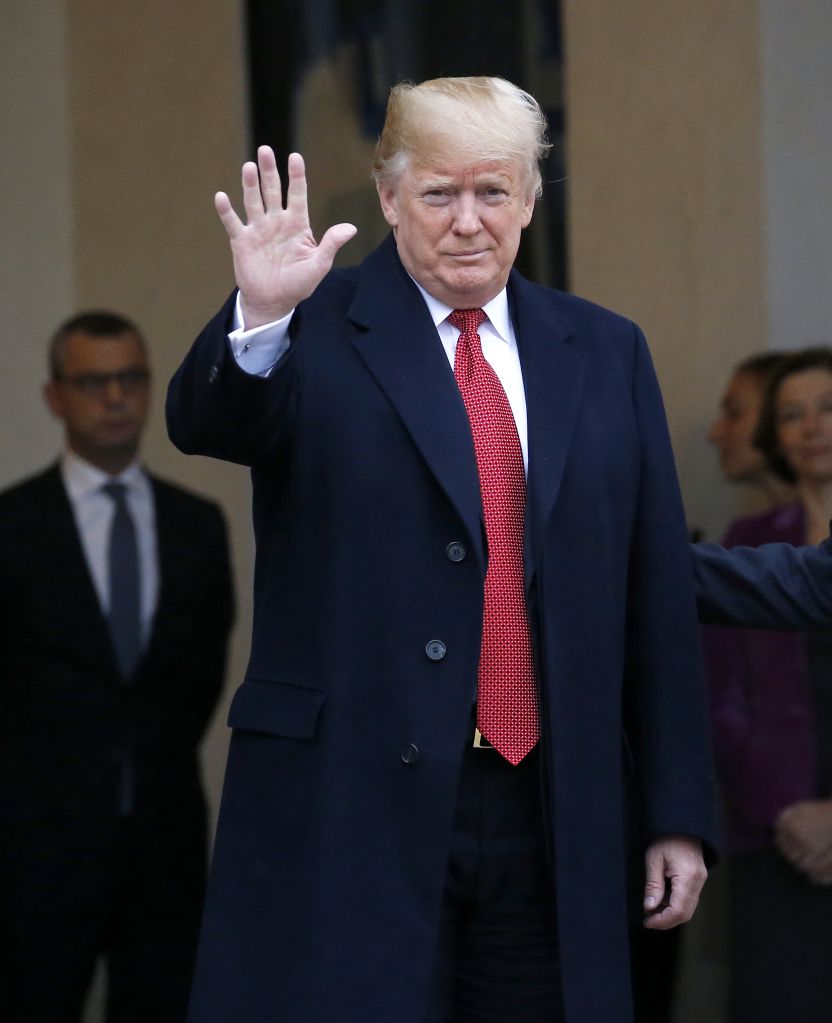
(458, 228)
(102, 396)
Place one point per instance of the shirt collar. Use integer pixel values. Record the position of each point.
(81, 478)
(496, 310)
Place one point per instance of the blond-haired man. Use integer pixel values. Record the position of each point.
(473, 631)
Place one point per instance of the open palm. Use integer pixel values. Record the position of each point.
(277, 262)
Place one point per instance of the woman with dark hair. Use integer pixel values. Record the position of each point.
(732, 432)
(771, 700)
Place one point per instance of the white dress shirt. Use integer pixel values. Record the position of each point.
(257, 351)
(94, 512)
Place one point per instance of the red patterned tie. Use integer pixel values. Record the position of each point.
(506, 693)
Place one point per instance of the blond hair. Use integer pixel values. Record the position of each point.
(472, 120)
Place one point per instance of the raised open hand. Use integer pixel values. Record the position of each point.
(277, 262)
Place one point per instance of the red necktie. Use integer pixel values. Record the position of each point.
(506, 692)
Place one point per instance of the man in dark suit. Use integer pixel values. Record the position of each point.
(116, 605)
(470, 633)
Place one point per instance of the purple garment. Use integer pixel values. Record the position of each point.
(761, 704)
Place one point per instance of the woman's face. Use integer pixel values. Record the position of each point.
(732, 432)
(803, 407)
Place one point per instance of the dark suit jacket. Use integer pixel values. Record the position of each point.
(66, 719)
(348, 736)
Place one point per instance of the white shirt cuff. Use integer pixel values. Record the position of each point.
(256, 351)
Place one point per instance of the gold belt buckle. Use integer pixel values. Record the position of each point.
(480, 741)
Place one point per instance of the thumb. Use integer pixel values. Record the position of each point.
(654, 885)
(336, 237)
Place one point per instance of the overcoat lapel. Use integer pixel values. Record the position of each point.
(553, 378)
(396, 338)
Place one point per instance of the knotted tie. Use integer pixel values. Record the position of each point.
(506, 693)
(123, 567)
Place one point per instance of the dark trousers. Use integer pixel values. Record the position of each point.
(497, 959)
(126, 905)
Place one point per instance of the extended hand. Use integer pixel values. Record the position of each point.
(277, 262)
(675, 876)
(803, 834)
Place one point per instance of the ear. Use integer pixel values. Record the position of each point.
(528, 209)
(54, 399)
(389, 204)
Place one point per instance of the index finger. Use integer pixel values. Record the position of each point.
(230, 221)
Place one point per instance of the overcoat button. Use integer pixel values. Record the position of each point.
(213, 373)
(410, 754)
(436, 650)
(456, 551)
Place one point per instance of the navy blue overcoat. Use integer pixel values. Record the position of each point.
(347, 736)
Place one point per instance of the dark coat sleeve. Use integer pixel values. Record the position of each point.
(215, 408)
(775, 586)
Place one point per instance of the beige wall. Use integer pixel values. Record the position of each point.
(797, 155)
(36, 265)
(665, 198)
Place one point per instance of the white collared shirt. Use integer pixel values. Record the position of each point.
(94, 512)
(499, 346)
(257, 351)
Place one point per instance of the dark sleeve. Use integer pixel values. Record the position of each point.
(215, 408)
(775, 586)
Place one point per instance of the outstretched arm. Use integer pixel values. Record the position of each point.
(775, 586)
(277, 262)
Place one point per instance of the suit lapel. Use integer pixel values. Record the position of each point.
(81, 615)
(553, 378)
(396, 338)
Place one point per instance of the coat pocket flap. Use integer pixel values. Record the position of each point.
(276, 708)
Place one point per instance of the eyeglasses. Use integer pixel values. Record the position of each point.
(96, 385)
